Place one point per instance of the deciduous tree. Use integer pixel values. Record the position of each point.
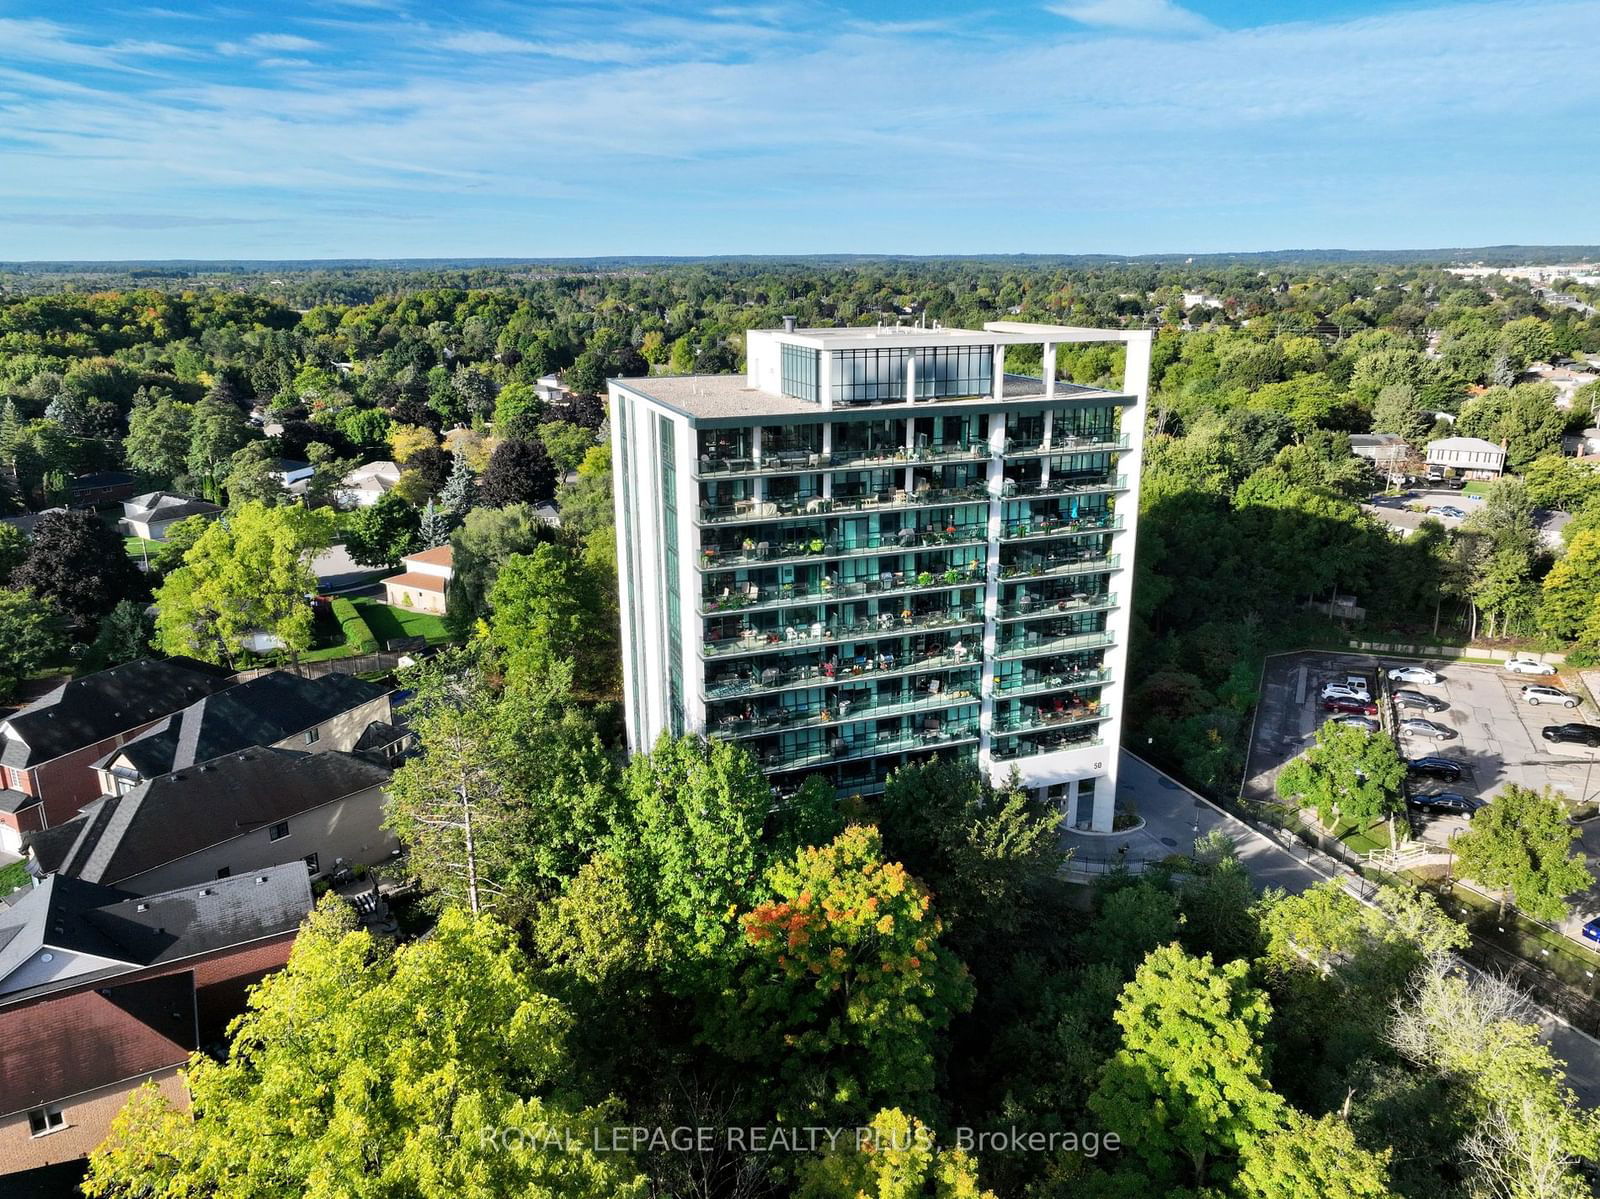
(1520, 844)
(77, 563)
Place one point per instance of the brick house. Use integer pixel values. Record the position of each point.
(102, 990)
(48, 748)
(242, 812)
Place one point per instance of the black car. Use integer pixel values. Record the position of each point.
(1446, 770)
(1444, 803)
(1416, 699)
(1576, 734)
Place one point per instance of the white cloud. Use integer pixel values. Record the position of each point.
(488, 42)
(1142, 16)
(270, 43)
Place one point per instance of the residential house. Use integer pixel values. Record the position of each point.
(25, 522)
(150, 515)
(551, 390)
(101, 487)
(292, 473)
(104, 989)
(366, 485)
(48, 748)
(424, 582)
(1582, 445)
(1469, 456)
(1384, 450)
(254, 808)
(281, 710)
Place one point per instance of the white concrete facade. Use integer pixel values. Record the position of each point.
(876, 545)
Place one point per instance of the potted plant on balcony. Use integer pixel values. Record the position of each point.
(748, 545)
(925, 578)
(952, 575)
(709, 553)
(816, 545)
(827, 583)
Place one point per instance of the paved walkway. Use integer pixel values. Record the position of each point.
(1170, 811)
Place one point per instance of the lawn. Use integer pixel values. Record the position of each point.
(390, 623)
(138, 547)
(12, 877)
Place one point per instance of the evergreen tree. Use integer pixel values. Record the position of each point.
(459, 492)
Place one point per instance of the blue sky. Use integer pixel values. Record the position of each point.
(402, 128)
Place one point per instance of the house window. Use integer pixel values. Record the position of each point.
(311, 864)
(312, 736)
(278, 831)
(45, 1120)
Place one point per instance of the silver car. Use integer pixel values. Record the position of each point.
(1418, 727)
(1416, 675)
(1544, 693)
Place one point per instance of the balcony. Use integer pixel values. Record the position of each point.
(1050, 566)
(860, 748)
(903, 703)
(886, 625)
(1081, 601)
(1055, 526)
(1065, 484)
(754, 598)
(1021, 687)
(816, 674)
(1019, 747)
(1029, 646)
(1088, 442)
(789, 462)
(1035, 721)
(818, 549)
(750, 511)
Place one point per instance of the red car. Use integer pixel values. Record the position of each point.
(1356, 706)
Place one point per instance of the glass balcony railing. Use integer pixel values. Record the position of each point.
(1031, 644)
(842, 749)
(844, 711)
(1020, 686)
(822, 549)
(1028, 608)
(1058, 526)
(803, 508)
(759, 641)
(1025, 746)
(1054, 565)
(1065, 484)
(802, 461)
(820, 674)
(755, 598)
(1035, 720)
(1088, 441)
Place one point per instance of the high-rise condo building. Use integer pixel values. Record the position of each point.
(877, 544)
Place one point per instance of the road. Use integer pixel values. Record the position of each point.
(1170, 811)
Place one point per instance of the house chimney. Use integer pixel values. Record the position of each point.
(788, 324)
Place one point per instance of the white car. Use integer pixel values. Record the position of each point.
(1522, 665)
(1543, 693)
(1413, 674)
(1340, 691)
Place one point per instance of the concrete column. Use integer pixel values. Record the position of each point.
(911, 378)
(827, 449)
(758, 491)
(999, 372)
(1049, 365)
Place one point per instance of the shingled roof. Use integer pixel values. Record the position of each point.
(83, 711)
(67, 933)
(176, 814)
(260, 712)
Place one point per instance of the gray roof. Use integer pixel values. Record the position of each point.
(166, 505)
(260, 712)
(133, 932)
(177, 814)
(83, 711)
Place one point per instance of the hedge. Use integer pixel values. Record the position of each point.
(358, 638)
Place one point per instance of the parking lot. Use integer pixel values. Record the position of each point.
(1495, 735)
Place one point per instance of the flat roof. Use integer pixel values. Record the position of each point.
(729, 398)
(860, 337)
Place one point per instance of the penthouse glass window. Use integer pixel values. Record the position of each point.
(800, 372)
(879, 376)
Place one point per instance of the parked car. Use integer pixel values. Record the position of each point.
(1418, 727)
(1525, 665)
(1360, 707)
(1445, 769)
(1544, 693)
(1591, 930)
(1574, 734)
(1415, 699)
(1355, 722)
(1415, 675)
(1444, 803)
(1358, 683)
(1340, 691)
